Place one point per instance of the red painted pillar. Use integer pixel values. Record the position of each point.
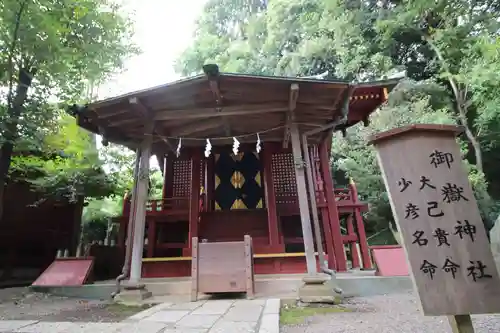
(321, 201)
(194, 200)
(272, 214)
(363, 242)
(352, 244)
(333, 213)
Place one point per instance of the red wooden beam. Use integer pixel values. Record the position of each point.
(322, 205)
(333, 213)
(363, 242)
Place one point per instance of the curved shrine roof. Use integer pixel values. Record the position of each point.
(219, 106)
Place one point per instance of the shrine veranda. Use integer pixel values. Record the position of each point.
(233, 150)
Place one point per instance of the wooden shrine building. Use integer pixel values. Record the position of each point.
(275, 192)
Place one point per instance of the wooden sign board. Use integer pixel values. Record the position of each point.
(437, 215)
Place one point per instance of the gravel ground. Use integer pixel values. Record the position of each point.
(397, 313)
(22, 304)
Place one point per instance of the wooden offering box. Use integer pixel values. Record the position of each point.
(222, 267)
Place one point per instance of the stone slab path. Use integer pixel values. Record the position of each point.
(214, 316)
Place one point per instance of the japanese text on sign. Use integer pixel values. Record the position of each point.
(463, 230)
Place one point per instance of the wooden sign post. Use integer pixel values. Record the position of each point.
(437, 215)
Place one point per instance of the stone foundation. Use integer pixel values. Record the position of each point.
(320, 289)
(133, 294)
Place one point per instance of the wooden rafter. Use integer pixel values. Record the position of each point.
(341, 101)
(136, 104)
(214, 87)
(198, 126)
(212, 74)
(290, 115)
(110, 114)
(122, 122)
(240, 110)
(221, 97)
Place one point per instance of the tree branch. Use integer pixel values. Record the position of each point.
(461, 106)
(12, 49)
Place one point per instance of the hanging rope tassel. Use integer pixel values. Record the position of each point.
(257, 146)
(208, 148)
(236, 145)
(178, 151)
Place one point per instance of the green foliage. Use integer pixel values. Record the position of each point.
(50, 51)
(68, 166)
(119, 166)
(63, 43)
(411, 102)
(440, 45)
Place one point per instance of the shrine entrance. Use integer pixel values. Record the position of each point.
(238, 181)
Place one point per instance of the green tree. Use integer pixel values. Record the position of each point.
(66, 167)
(302, 37)
(411, 102)
(448, 29)
(52, 48)
(450, 50)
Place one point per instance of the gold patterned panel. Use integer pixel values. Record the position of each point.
(217, 181)
(238, 204)
(237, 179)
(217, 207)
(257, 179)
(260, 204)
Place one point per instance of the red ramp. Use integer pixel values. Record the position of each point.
(390, 260)
(66, 272)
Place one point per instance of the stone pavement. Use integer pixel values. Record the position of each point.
(214, 316)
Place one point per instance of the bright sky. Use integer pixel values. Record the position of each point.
(164, 28)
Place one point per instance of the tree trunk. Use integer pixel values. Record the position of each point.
(460, 106)
(478, 153)
(25, 77)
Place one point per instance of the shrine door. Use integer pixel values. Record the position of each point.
(238, 181)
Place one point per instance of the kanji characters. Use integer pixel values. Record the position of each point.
(419, 238)
(465, 229)
(404, 184)
(424, 181)
(428, 268)
(411, 211)
(451, 267)
(477, 271)
(442, 237)
(453, 193)
(438, 158)
(433, 209)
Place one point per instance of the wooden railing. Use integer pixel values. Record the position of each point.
(167, 206)
(286, 203)
(343, 194)
(173, 206)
